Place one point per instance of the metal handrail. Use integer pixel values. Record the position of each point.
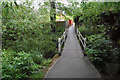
(82, 39)
(61, 40)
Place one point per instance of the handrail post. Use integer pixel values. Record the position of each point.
(84, 47)
(59, 46)
(85, 42)
(64, 35)
(77, 31)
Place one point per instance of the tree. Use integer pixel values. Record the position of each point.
(52, 14)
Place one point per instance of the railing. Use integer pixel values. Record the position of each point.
(61, 40)
(82, 39)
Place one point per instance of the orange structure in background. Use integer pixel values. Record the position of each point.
(70, 22)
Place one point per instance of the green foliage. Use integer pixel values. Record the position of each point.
(46, 62)
(39, 75)
(85, 31)
(17, 65)
(101, 51)
(26, 33)
(91, 11)
(60, 30)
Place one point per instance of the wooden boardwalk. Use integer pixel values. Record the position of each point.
(72, 63)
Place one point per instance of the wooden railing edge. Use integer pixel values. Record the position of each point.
(82, 40)
(61, 40)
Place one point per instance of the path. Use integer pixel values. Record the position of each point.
(72, 63)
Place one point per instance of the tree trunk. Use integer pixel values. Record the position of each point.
(53, 15)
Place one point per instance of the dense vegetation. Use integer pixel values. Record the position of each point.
(27, 40)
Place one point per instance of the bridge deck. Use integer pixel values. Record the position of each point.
(72, 63)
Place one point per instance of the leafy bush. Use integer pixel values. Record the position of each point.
(97, 47)
(85, 31)
(17, 65)
(101, 51)
(28, 39)
(23, 31)
(60, 30)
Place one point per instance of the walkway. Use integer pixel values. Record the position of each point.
(72, 63)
